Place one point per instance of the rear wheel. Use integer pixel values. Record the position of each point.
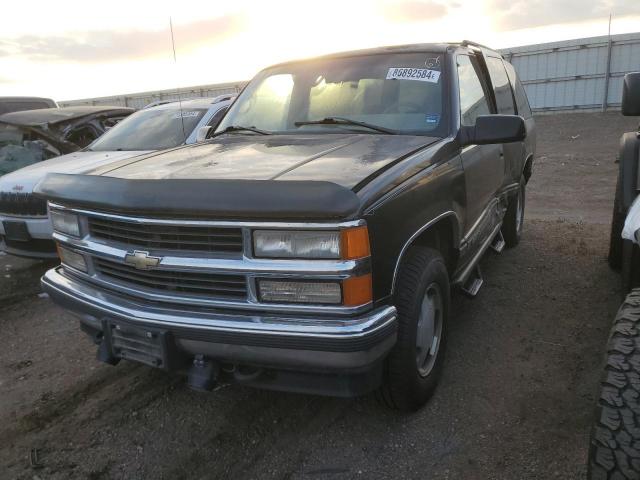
(413, 367)
(617, 223)
(514, 218)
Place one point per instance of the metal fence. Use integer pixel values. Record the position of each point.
(582, 74)
(139, 100)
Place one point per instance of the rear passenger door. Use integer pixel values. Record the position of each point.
(523, 109)
(514, 153)
(483, 165)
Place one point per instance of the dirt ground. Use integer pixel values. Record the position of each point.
(516, 400)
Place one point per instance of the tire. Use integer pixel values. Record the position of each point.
(514, 218)
(617, 223)
(422, 298)
(614, 450)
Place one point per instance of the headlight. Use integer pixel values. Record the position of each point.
(65, 222)
(318, 244)
(72, 259)
(288, 244)
(284, 291)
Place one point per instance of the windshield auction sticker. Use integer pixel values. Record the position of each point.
(186, 114)
(419, 74)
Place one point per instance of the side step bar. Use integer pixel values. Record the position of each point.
(498, 243)
(470, 279)
(472, 286)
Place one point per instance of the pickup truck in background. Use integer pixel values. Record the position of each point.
(311, 244)
(18, 104)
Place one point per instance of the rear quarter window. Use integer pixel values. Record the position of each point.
(522, 102)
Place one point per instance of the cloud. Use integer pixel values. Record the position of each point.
(414, 11)
(516, 14)
(105, 46)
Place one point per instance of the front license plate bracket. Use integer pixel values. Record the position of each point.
(149, 346)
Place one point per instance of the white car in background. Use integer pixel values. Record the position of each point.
(25, 228)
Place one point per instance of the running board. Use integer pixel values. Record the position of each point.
(465, 278)
(498, 243)
(472, 285)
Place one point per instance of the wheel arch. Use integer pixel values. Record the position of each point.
(527, 170)
(441, 233)
(629, 158)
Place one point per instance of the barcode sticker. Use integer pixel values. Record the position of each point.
(419, 74)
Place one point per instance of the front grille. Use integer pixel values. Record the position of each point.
(13, 203)
(168, 237)
(203, 284)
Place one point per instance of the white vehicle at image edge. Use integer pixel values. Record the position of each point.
(25, 228)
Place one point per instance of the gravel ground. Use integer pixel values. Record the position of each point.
(516, 399)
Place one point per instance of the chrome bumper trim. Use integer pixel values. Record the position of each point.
(79, 296)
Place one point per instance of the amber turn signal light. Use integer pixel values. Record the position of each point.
(357, 291)
(355, 243)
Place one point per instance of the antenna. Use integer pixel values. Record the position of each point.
(175, 61)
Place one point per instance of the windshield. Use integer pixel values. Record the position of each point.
(399, 92)
(153, 129)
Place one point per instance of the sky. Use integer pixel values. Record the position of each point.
(71, 49)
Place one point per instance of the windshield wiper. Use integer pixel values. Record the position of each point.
(240, 128)
(346, 121)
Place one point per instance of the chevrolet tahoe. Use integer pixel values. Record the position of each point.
(312, 243)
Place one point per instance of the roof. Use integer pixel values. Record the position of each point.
(409, 48)
(56, 115)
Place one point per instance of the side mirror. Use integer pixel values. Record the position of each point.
(491, 129)
(631, 95)
(203, 133)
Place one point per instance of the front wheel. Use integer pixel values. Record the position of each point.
(413, 367)
(514, 218)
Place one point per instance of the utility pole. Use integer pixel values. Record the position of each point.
(605, 99)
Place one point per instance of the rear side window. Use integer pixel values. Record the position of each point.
(522, 103)
(473, 101)
(501, 86)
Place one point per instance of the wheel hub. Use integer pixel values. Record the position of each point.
(429, 329)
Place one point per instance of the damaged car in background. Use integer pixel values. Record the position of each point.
(25, 229)
(31, 136)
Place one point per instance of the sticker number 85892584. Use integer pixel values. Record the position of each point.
(420, 74)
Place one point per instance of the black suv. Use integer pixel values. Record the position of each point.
(312, 242)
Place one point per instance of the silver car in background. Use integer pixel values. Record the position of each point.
(25, 228)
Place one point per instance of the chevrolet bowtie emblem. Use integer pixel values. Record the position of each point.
(141, 260)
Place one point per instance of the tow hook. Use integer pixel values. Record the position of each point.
(105, 355)
(203, 374)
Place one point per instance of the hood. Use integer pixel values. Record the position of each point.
(26, 178)
(342, 159)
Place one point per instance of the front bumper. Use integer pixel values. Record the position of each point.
(331, 345)
(40, 243)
